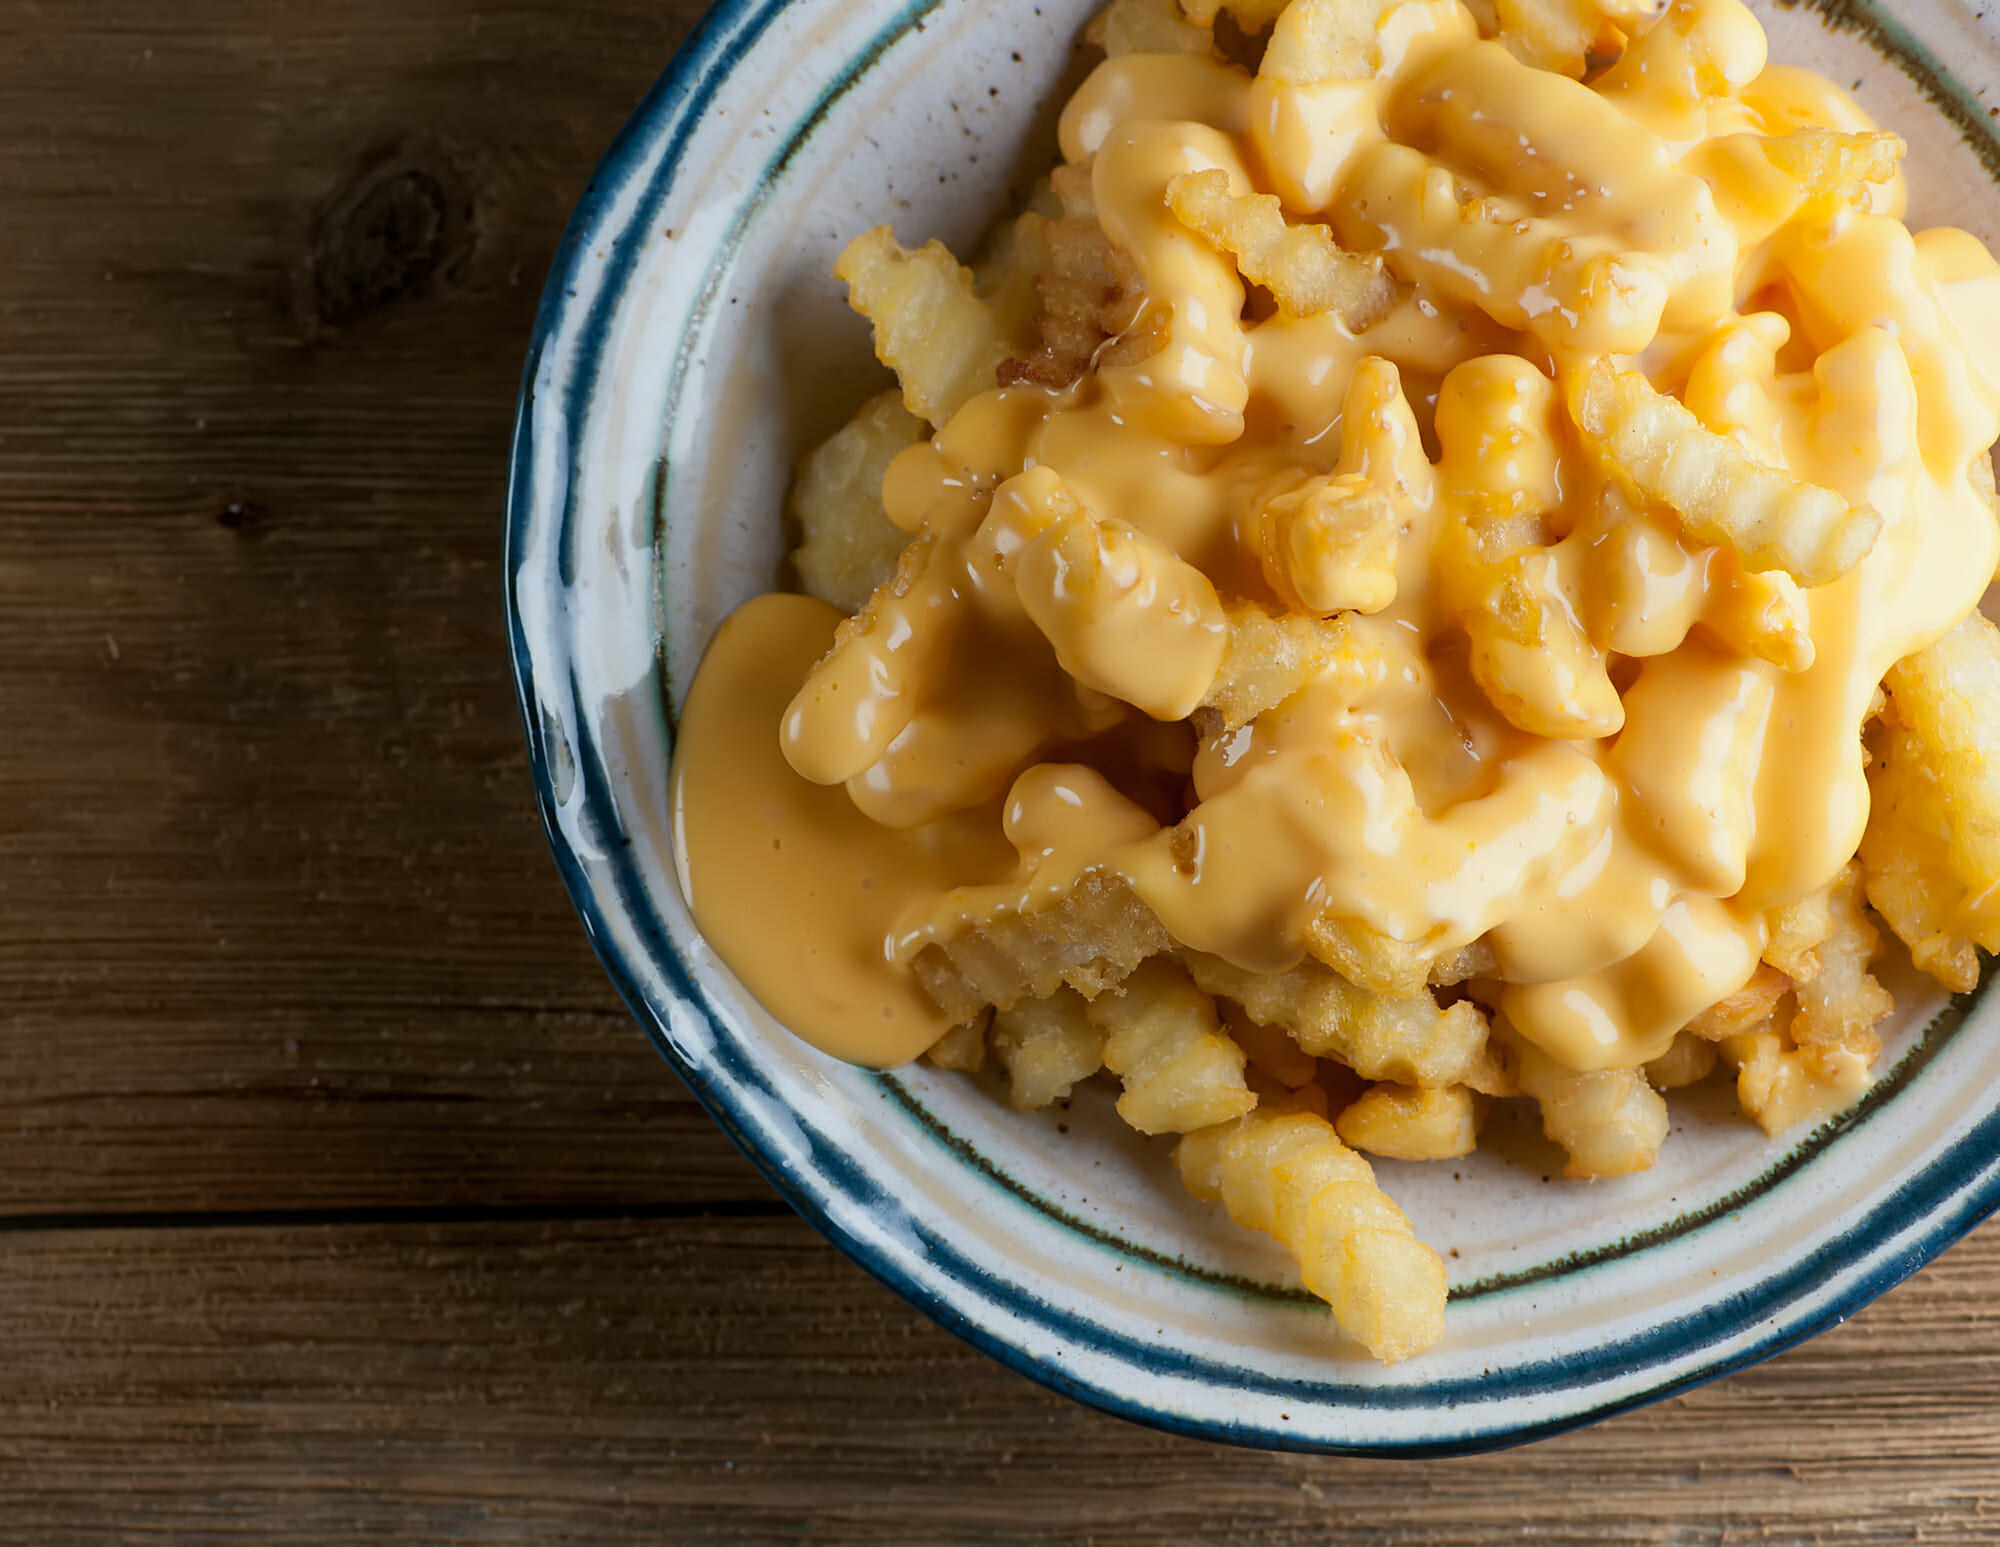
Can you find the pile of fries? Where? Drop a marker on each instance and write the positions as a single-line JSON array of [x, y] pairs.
[[1318, 262]]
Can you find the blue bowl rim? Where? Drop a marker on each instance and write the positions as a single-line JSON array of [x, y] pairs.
[[1956, 1191]]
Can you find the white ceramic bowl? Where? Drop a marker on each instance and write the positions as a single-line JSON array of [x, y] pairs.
[[690, 344]]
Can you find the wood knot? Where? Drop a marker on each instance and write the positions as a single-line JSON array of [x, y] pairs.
[[402, 229], [246, 518]]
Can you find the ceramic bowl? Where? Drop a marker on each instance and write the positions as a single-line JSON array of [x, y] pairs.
[[690, 344]]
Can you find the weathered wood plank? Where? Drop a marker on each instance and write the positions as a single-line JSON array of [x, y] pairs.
[[277, 925], [738, 1381]]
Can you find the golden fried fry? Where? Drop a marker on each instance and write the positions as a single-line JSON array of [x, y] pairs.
[[1046, 1046], [1687, 1061], [1125, 614], [1410, 1041], [931, 329], [1560, 35], [1798, 930], [1326, 40], [1840, 1004], [962, 1048], [849, 546], [1251, 15], [887, 656], [1610, 1122], [1906, 854], [1778, 1086], [1740, 1011], [1268, 659], [1090, 940], [1088, 292], [1148, 27], [1948, 695], [1370, 959], [1270, 1049], [1290, 1176], [1162, 1037], [1301, 265], [1399, 1123], [1830, 165], [1668, 457], [1495, 426]]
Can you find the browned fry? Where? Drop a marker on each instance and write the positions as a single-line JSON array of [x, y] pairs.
[[1367, 957], [1089, 292]]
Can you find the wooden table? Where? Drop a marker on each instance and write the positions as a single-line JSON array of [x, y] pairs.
[[342, 1197]]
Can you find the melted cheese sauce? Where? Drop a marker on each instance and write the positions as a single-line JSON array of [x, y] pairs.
[[1617, 800]]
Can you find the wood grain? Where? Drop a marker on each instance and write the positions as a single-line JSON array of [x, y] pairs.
[[735, 1381], [342, 1200], [277, 924]]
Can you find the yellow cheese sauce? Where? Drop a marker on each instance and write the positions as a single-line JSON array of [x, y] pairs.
[[1614, 795]]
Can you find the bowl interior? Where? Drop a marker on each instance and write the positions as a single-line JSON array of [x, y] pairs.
[[692, 346]]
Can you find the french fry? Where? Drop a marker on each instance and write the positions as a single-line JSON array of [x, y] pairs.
[[1498, 469], [1560, 35], [1315, 41], [1399, 1123], [1270, 658], [1610, 1122], [849, 546], [1046, 1046], [1162, 1037], [1778, 1086], [944, 344], [1948, 695], [1290, 1176], [1906, 853], [1090, 940], [1301, 265], [1829, 165], [1840, 1004], [1251, 15], [1272, 1053], [1687, 1061], [1409, 1041], [1739, 1012], [1668, 457], [962, 1048], [1798, 930], [1148, 27]]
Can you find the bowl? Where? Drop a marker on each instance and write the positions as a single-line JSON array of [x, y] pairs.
[[689, 345]]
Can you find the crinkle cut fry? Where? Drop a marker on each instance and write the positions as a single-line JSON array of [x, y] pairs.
[[1290, 1176], [1089, 941], [931, 329], [1164, 1039], [848, 546], [1948, 695], [1411, 1041], [1840, 1002], [1906, 854], [1301, 265], [1670, 458], [1610, 1122], [1046, 1046]]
